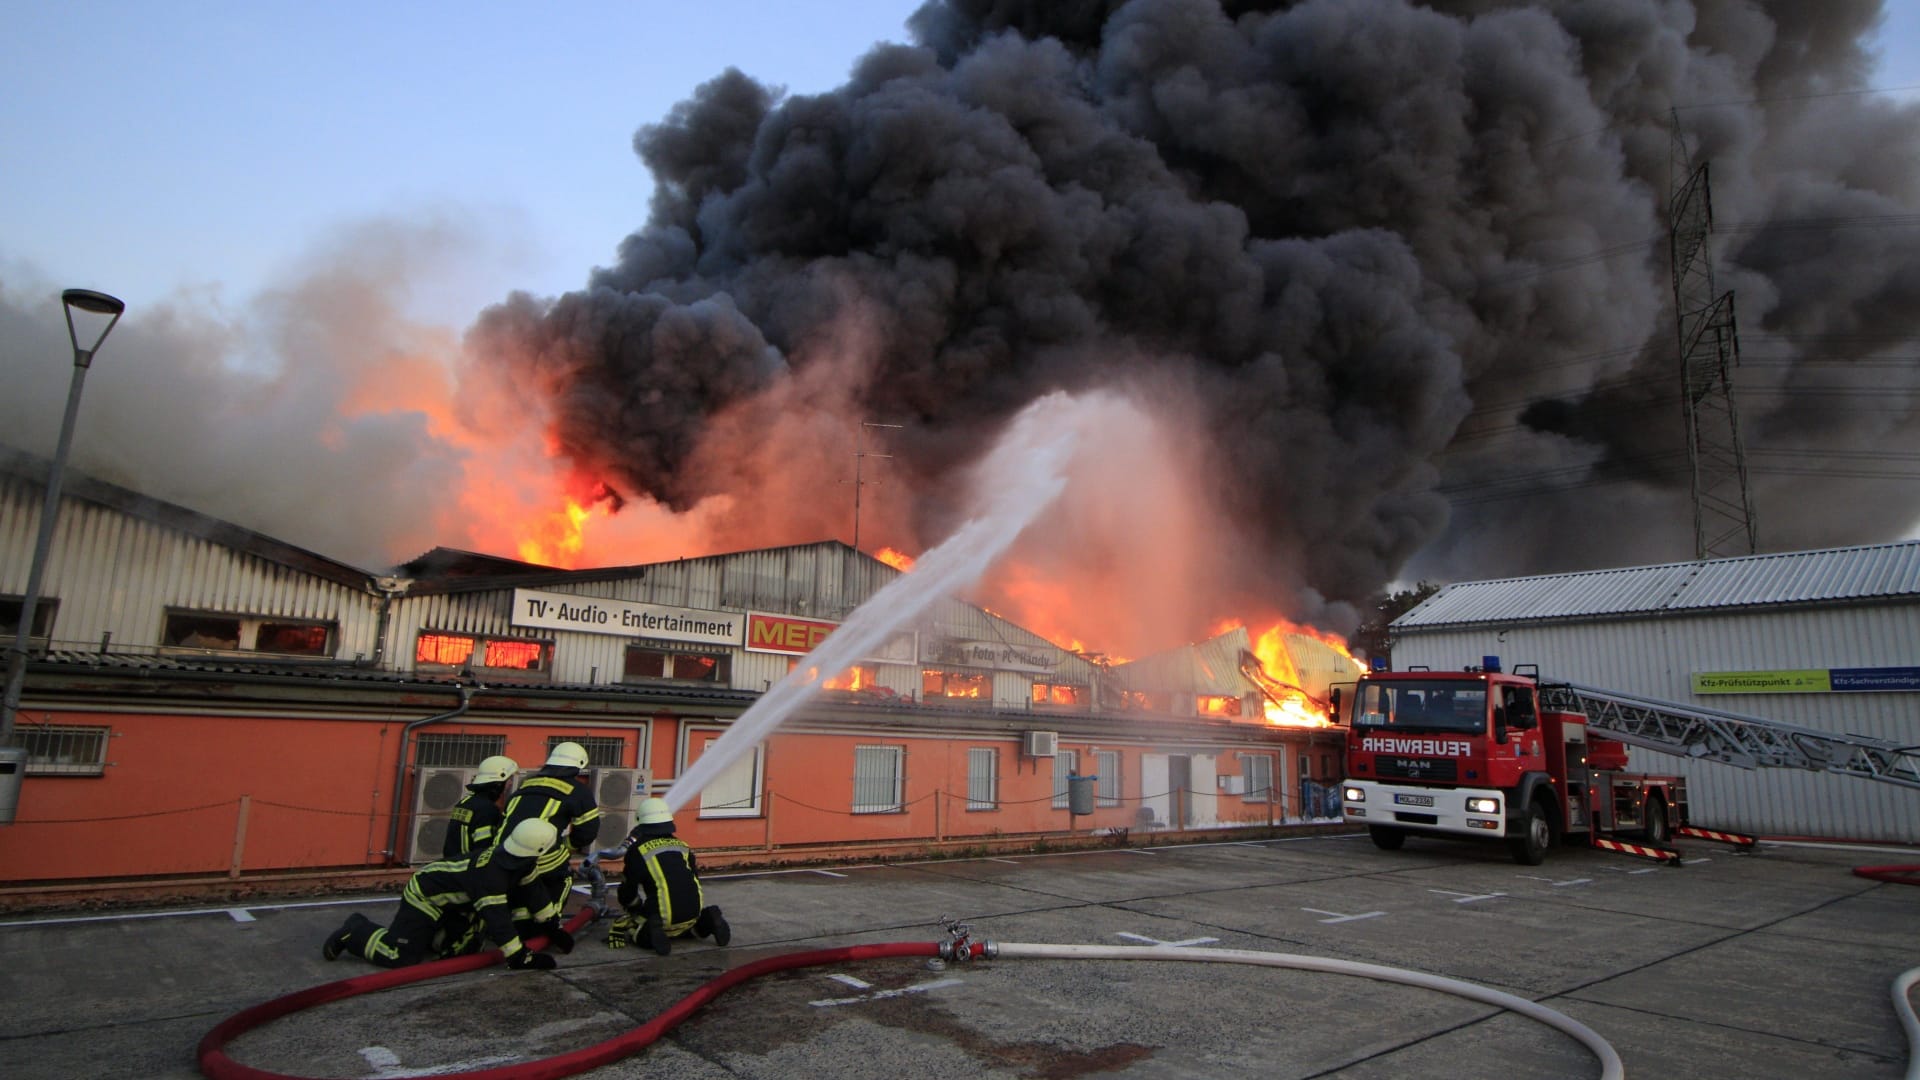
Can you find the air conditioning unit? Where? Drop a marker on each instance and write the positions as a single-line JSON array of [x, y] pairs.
[[618, 793], [1040, 743], [435, 793]]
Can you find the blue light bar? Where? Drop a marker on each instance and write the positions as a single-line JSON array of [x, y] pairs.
[[1490, 663]]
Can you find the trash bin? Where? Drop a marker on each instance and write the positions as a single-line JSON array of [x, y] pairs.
[[13, 766], [1080, 791]]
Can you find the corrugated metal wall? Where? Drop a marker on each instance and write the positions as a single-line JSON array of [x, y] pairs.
[[116, 574], [1657, 658]]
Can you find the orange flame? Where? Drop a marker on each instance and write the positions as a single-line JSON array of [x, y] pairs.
[[899, 560]]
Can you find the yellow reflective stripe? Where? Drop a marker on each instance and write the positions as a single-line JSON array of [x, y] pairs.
[[590, 815], [551, 859], [377, 946], [488, 901], [511, 947]]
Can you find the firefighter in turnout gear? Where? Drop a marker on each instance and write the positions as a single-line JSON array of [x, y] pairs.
[[473, 826], [559, 795], [660, 888], [442, 899]]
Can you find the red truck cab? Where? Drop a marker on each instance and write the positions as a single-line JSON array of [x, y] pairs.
[[1471, 753]]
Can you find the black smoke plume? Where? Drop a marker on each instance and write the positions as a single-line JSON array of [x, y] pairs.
[[1400, 269]]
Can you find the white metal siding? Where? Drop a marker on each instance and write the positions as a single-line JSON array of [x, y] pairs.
[[116, 574], [1657, 657]]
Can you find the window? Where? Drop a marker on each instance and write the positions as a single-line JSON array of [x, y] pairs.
[[1326, 768], [859, 679], [63, 749], [1107, 762], [497, 656], [1065, 763], [686, 665], [1058, 694], [1219, 705], [937, 685], [456, 751], [1257, 771], [735, 792], [983, 778], [10, 608], [603, 751], [877, 779], [216, 632]]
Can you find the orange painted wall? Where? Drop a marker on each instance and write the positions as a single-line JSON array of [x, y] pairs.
[[319, 794]]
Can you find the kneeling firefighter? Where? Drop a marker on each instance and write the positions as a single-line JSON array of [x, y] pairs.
[[474, 825], [442, 899], [558, 794], [660, 888]]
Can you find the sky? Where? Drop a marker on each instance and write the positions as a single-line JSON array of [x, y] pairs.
[[205, 151]]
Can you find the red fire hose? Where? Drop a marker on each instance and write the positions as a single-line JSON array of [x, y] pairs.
[[215, 1064]]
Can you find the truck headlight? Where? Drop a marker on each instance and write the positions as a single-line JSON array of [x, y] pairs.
[[1353, 794], [1483, 806]]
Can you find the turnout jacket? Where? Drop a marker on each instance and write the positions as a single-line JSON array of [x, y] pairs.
[[473, 826], [661, 880], [486, 886], [567, 802]]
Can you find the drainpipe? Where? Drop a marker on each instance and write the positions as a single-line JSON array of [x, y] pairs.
[[400, 767]]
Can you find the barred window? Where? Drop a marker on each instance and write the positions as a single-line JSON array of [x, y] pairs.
[[1065, 763], [877, 779], [983, 778], [603, 751], [1107, 763], [456, 751], [63, 749], [1257, 771]]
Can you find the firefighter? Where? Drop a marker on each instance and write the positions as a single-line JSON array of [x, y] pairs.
[[660, 888], [442, 897], [558, 794], [472, 827]]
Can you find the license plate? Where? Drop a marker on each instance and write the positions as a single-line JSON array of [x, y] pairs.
[[1414, 800]]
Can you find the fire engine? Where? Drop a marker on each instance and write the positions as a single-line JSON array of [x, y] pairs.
[[1485, 753]]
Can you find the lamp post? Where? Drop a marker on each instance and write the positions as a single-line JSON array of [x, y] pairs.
[[93, 303]]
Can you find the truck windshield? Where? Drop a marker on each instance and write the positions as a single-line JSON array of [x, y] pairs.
[[1421, 706]]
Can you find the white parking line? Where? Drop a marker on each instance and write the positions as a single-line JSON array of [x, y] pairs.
[[237, 914], [1467, 898], [857, 984], [1168, 944], [917, 988], [1339, 918]]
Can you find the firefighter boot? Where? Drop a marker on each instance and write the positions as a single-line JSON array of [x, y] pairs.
[[337, 943], [655, 936], [715, 924]]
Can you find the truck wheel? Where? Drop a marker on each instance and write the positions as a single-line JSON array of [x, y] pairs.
[[1659, 831], [1530, 847], [1386, 839]]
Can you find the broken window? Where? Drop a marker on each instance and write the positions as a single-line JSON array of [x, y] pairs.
[[937, 685], [1058, 694], [219, 632], [517, 658], [647, 662], [1219, 705], [10, 609]]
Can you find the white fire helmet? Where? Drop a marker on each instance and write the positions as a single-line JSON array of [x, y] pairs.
[[495, 769], [530, 838], [569, 754], [654, 812]]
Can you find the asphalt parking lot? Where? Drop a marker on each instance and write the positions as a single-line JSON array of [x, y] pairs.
[[1773, 964]]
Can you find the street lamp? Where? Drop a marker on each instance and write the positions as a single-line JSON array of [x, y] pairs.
[[95, 304]]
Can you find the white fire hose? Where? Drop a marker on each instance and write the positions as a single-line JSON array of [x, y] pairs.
[[1610, 1066]]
